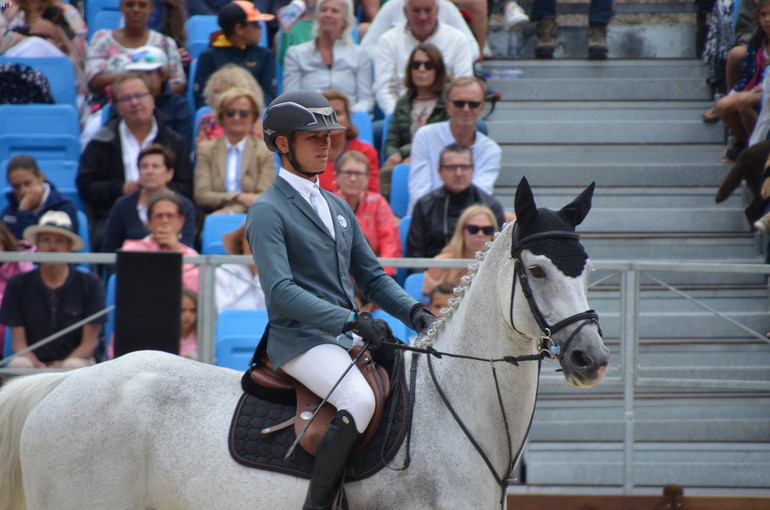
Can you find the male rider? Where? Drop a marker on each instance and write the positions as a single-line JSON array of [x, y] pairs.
[[307, 245]]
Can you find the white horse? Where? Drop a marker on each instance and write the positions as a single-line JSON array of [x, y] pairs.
[[149, 430]]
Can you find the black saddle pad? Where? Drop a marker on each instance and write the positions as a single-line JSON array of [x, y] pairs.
[[248, 446]]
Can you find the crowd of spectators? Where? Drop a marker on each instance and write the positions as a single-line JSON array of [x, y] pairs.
[[153, 164]]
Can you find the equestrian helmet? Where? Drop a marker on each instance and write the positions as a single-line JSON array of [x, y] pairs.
[[300, 110]]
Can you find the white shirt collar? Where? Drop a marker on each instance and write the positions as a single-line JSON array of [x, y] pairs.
[[240, 145], [303, 186]]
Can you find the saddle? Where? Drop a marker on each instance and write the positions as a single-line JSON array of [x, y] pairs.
[[264, 376]]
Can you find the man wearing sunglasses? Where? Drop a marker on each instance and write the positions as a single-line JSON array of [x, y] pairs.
[[465, 105], [237, 43], [435, 215]]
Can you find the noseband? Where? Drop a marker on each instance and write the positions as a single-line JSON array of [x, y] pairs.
[[548, 345]]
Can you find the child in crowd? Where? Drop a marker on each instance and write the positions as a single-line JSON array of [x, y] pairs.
[[439, 297], [188, 341], [7, 269]]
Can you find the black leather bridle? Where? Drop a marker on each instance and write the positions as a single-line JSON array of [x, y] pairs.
[[548, 345]]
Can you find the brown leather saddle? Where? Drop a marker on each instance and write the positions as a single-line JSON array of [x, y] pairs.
[[307, 401]]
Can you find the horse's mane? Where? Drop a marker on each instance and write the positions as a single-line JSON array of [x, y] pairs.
[[427, 338]]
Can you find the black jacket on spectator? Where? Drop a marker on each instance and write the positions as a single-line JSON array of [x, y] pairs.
[[435, 216], [100, 174]]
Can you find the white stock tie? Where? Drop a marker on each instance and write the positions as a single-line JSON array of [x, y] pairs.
[[322, 209]]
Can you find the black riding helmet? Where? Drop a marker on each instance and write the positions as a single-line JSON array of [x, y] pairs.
[[300, 110]]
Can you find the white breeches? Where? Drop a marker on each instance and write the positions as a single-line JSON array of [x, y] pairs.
[[321, 367]]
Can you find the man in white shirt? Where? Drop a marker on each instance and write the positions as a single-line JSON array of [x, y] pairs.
[[394, 47], [464, 104]]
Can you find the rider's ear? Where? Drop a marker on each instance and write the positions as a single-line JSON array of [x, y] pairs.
[[575, 212], [524, 203], [282, 142]]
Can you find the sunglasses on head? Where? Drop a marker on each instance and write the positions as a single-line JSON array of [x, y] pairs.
[[232, 112], [475, 229], [461, 104], [429, 65]]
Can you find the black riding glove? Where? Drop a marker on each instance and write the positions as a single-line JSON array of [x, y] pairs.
[[421, 318], [374, 331]]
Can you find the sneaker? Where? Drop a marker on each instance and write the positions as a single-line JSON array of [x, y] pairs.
[[762, 225], [597, 41], [514, 16], [547, 34]]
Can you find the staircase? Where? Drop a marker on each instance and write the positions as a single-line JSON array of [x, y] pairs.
[[634, 127]]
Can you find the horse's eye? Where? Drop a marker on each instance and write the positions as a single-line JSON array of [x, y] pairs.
[[537, 272]]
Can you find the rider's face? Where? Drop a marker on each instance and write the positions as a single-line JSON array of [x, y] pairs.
[[311, 150]]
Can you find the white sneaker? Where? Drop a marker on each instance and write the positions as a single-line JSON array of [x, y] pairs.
[[514, 16], [762, 225]]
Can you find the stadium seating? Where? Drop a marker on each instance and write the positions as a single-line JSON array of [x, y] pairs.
[[60, 72], [399, 189], [50, 146], [237, 335], [39, 119], [384, 136], [413, 287], [399, 329], [363, 122], [106, 19], [95, 8], [213, 227]]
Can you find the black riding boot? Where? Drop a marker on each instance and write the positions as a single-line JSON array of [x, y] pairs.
[[330, 462]]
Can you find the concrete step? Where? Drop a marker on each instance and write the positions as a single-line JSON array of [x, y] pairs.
[[604, 132], [571, 69], [707, 248], [695, 220], [600, 156], [744, 464], [690, 280], [637, 196], [632, 111]]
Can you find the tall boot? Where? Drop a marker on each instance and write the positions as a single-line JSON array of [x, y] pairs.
[[597, 41], [547, 34], [330, 462]]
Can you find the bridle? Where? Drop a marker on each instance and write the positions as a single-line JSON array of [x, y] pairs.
[[548, 349], [548, 345]]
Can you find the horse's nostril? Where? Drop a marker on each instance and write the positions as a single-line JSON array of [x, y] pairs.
[[581, 359]]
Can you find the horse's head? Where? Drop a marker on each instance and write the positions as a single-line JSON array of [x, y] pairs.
[[551, 284]]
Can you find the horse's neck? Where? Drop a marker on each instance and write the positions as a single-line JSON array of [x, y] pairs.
[[480, 327]]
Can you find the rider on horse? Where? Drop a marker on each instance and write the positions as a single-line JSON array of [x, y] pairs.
[[307, 244]]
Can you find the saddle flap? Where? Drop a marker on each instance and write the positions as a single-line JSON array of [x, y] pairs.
[[264, 375]]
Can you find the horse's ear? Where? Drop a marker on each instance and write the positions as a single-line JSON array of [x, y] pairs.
[[524, 203], [577, 210]]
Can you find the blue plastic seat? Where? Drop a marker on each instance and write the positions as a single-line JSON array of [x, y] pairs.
[[403, 233], [105, 19], [363, 122], [413, 287], [189, 93], [50, 146], [214, 226], [109, 299], [237, 334], [399, 329], [93, 8], [39, 119], [60, 72], [399, 189], [7, 342]]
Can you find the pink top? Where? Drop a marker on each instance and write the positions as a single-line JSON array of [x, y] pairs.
[[189, 271], [188, 345]]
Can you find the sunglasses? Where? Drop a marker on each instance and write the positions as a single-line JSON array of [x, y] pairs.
[[429, 65], [232, 112], [461, 104], [128, 99], [475, 229], [145, 56]]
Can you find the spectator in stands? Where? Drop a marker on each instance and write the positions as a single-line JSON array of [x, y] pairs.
[[374, 215], [238, 43], [599, 15], [188, 341], [391, 14], [394, 47], [32, 196], [175, 108], [435, 215], [476, 226], [105, 57], [719, 42], [423, 103], [229, 76], [108, 166], [204, 7], [52, 297], [58, 23], [235, 169], [301, 31], [128, 217], [331, 60], [9, 243], [343, 141], [464, 104], [738, 109], [238, 286], [165, 219], [439, 297]]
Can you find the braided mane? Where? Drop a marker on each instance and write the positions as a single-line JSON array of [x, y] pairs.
[[427, 338]]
